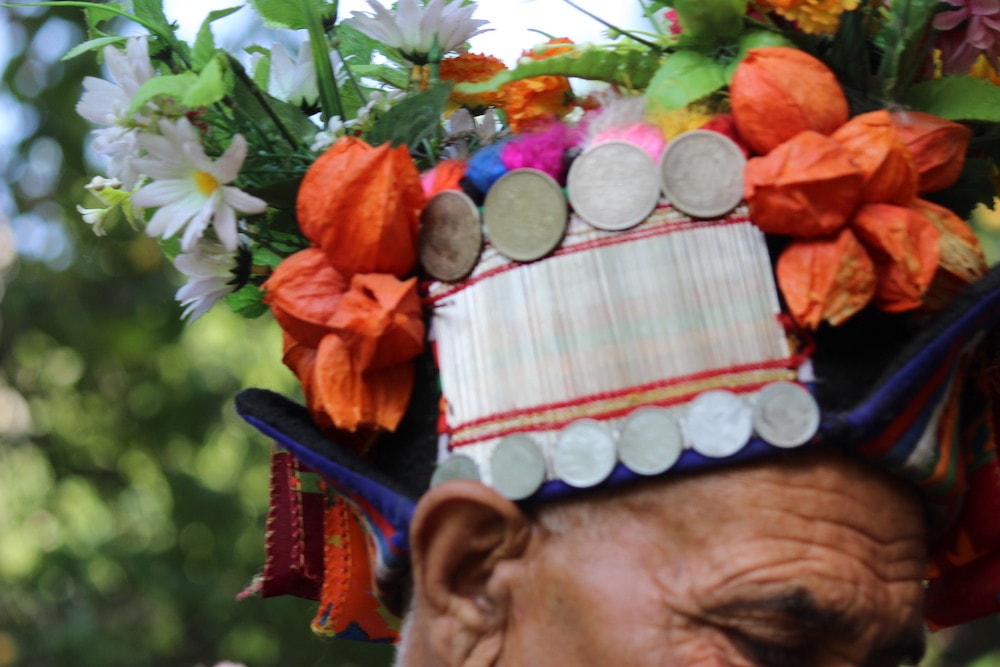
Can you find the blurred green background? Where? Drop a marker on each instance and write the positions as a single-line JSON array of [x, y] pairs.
[[132, 499]]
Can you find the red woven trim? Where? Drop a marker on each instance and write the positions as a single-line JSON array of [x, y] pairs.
[[501, 429], [640, 233]]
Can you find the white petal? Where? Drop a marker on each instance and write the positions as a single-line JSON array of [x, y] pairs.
[[243, 202], [227, 167], [163, 193], [195, 227], [224, 223]]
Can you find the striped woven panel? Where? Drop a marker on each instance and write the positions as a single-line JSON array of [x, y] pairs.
[[611, 321]]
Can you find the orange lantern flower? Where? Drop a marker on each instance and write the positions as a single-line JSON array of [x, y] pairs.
[[806, 187], [473, 68], [962, 259], [876, 148], [827, 278], [303, 293], [361, 205], [906, 250], [778, 91], [938, 147]]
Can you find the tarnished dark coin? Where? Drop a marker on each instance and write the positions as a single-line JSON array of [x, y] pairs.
[[785, 414], [456, 466], [702, 173], [525, 214], [614, 185], [451, 237]]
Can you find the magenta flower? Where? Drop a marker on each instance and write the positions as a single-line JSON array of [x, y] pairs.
[[968, 32]]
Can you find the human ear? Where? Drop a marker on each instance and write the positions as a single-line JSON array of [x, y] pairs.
[[461, 532]]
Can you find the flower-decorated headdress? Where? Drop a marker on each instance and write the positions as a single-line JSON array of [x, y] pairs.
[[758, 235]]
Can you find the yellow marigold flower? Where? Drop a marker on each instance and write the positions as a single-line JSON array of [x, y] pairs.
[[817, 17], [473, 68], [538, 100], [982, 69], [675, 122]]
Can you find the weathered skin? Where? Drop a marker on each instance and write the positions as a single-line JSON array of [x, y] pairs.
[[811, 560]]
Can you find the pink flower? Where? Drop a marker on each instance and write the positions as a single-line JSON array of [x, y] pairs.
[[968, 32]]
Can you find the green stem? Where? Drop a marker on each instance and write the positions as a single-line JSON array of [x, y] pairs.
[[262, 100], [612, 26], [329, 96]]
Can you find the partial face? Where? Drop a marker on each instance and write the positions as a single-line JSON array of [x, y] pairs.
[[811, 561]]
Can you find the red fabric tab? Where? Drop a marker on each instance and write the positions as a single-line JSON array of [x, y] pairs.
[[294, 533]]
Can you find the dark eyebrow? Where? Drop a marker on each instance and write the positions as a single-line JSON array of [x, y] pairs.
[[800, 606]]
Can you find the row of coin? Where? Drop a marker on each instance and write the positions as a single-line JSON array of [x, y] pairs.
[[613, 186], [650, 441]]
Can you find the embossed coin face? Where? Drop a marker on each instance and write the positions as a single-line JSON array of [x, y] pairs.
[[785, 414], [517, 467], [456, 466], [525, 214], [650, 441], [613, 185], [718, 423], [451, 237], [585, 454], [702, 173]]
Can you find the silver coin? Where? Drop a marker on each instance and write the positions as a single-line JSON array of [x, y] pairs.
[[517, 467], [613, 185], [650, 441], [451, 237], [785, 414], [456, 466], [525, 214], [702, 173], [718, 423], [585, 454]]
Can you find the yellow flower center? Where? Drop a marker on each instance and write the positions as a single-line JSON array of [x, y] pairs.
[[206, 182]]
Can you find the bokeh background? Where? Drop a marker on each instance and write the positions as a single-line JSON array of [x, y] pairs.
[[132, 499]]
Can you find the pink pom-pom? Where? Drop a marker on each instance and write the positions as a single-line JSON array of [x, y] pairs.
[[647, 137], [542, 150]]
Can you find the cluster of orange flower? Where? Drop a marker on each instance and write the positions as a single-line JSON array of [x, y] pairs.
[[810, 16], [847, 192]]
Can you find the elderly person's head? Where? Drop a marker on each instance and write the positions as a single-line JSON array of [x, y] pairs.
[[688, 409], [811, 559]]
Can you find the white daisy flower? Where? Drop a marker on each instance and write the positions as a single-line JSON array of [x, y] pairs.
[[414, 29], [293, 80], [190, 189], [108, 102], [209, 268]]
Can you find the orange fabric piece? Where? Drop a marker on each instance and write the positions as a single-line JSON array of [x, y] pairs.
[[778, 92], [380, 321], [348, 607], [361, 205], [904, 245], [806, 187], [876, 149], [938, 147], [826, 279]]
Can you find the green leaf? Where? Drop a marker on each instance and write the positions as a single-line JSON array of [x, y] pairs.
[[905, 44], [413, 119], [204, 44], [96, 15], [247, 301], [754, 39], [210, 86], [92, 45], [170, 85], [957, 98], [353, 42], [706, 23], [290, 13], [631, 68], [386, 74], [687, 76], [151, 11]]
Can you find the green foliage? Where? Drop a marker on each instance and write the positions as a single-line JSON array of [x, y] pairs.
[[292, 14], [957, 98], [686, 76], [413, 120]]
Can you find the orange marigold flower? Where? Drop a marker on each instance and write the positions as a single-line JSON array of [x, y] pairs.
[[816, 17], [539, 100], [473, 68]]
